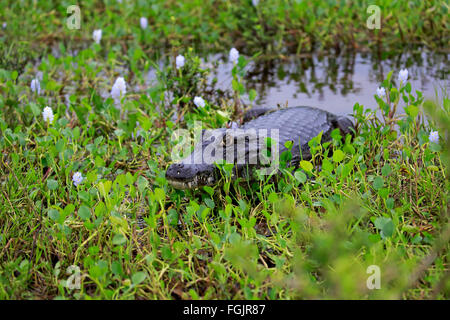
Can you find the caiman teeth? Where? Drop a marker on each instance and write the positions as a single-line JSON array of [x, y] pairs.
[[183, 185]]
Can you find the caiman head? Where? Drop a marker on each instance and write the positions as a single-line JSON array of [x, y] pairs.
[[216, 146]]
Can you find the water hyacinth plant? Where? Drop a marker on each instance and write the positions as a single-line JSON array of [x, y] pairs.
[[179, 61], [381, 92], [97, 35], [118, 90], [77, 178], [403, 76], [199, 102], [434, 137], [47, 114], [234, 55], [143, 22], [35, 86]]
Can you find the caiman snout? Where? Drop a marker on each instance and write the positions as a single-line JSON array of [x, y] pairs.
[[181, 171], [187, 176]]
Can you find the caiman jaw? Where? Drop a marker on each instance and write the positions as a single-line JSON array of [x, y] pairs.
[[182, 176], [180, 184]]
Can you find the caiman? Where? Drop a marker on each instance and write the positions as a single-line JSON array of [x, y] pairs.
[[244, 146]]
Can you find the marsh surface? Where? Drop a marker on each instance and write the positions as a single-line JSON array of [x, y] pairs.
[[337, 83]]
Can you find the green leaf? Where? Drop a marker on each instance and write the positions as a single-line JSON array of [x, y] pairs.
[[413, 111], [338, 156], [386, 170], [91, 177], [69, 209], [138, 277], [327, 165], [53, 214], [288, 144], [84, 212], [116, 268], [119, 239], [306, 165], [385, 225], [383, 192], [408, 87], [210, 203], [378, 183], [35, 109], [142, 184], [273, 197], [252, 95], [300, 176], [390, 203], [52, 184], [104, 188], [130, 178], [209, 190], [160, 194], [435, 147]]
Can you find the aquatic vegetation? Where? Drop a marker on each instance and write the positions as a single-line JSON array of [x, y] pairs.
[[97, 35], [47, 114], [35, 86], [83, 192], [143, 22], [381, 92], [199, 102], [77, 178], [180, 61], [234, 55], [434, 137], [403, 76], [118, 90]]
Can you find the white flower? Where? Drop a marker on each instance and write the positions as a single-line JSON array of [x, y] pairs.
[[97, 35], [179, 61], [381, 92], [255, 2], [199, 102], [403, 75], [234, 55], [144, 22], [35, 86], [4, 25], [77, 178], [47, 114], [119, 89], [434, 137]]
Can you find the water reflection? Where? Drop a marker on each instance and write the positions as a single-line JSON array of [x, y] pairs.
[[336, 83]]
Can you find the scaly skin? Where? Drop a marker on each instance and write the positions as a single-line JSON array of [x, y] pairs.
[[297, 124]]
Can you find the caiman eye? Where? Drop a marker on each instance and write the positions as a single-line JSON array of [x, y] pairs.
[[227, 140]]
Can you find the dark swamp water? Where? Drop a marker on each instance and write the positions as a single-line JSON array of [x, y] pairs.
[[336, 83]]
